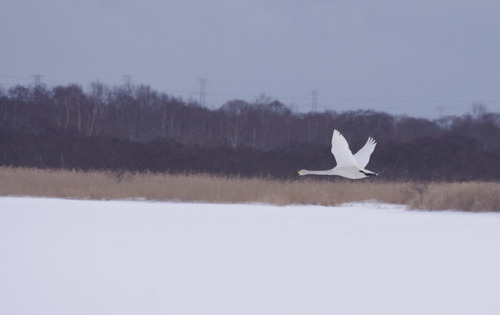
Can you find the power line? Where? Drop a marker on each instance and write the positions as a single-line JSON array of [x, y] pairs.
[[314, 94], [310, 101]]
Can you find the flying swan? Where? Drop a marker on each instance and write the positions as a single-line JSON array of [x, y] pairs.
[[348, 165]]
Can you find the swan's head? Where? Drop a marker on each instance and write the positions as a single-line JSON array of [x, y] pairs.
[[302, 172]]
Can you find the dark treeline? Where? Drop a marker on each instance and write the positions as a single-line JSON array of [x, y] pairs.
[[137, 128]]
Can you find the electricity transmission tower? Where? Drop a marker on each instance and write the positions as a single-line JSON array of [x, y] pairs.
[[127, 80], [440, 109], [314, 101], [203, 83], [38, 80]]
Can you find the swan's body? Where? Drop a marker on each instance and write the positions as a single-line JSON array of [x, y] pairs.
[[348, 165]]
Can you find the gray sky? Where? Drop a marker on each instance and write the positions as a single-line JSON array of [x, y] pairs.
[[408, 57]]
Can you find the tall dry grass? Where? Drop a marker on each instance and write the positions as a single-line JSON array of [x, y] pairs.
[[465, 196], [473, 196]]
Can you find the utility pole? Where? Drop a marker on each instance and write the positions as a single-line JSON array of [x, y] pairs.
[[314, 101], [203, 83]]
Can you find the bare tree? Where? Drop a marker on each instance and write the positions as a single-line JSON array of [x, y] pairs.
[[98, 98]]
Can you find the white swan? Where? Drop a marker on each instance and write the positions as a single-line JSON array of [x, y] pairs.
[[348, 165]]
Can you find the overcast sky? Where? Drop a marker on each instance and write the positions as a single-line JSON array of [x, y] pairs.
[[404, 57]]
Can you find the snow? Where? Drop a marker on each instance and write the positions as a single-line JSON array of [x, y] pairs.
[[136, 257]]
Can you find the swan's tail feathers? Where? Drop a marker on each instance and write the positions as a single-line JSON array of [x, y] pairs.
[[368, 173]]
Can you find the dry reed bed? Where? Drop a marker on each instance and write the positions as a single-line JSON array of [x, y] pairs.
[[469, 196]]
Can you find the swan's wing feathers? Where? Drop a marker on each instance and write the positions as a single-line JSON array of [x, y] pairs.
[[363, 155], [341, 151]]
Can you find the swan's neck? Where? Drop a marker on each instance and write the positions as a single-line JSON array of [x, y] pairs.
[[308, 172]]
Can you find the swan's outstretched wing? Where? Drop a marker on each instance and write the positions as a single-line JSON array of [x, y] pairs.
[[341, 152], [363, 155]]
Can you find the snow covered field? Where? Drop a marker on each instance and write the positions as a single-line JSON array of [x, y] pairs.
[[130, 257]]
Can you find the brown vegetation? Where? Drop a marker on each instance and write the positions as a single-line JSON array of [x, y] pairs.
[[465, 196], [469, 196]]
